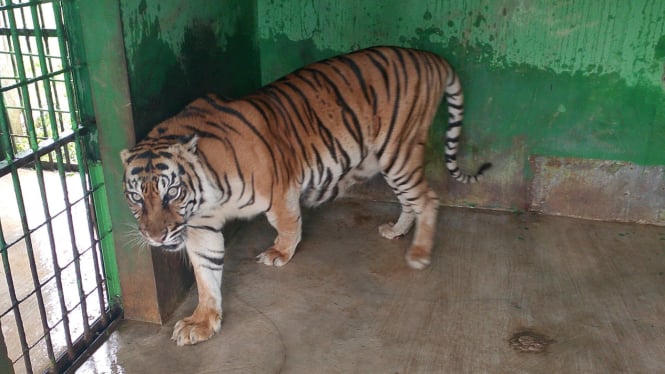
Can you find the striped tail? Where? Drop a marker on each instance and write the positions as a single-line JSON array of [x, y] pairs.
[[455, 99]]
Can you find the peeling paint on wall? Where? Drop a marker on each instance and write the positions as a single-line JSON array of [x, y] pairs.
[[586, 37]]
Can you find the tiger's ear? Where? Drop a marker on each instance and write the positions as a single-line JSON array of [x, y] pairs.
[[190, 143], [124, 155]]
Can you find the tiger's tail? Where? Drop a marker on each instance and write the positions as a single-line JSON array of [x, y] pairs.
[[455, 99]]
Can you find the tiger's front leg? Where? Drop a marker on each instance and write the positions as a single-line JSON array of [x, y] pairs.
[[284, 216], [205, 249]]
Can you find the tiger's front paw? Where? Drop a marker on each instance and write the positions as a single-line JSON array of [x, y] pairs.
[[197, 328], [273, 257]]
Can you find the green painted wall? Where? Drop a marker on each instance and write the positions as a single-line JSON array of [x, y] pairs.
[[580, 79], [556, 78], [179, 50], [562, 78], [565, 78]]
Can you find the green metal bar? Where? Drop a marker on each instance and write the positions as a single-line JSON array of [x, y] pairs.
[[63, 183], [14, 70], [17, 188], [25, 32], [26, 137], [54, 81], [76, 99], [23, 81], [18, 318], [6, 141], [25, 93], [77, 265], [7, 155], [38, 93], [11, 6], [28, 54], [93, 226], [32, 81], [15, 303], [105, 227], [26, 158], [75, 57], [38, 109], [83, 172]]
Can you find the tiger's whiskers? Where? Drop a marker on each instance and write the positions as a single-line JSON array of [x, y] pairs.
[[134, 237]]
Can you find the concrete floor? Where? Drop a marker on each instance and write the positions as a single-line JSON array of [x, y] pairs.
[[590, 296]]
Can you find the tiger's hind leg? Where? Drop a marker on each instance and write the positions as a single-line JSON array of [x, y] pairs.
[[419, 254], [420, 204], [284, 216]]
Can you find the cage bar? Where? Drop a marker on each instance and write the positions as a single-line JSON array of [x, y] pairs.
[[30, 127], [57, 123]]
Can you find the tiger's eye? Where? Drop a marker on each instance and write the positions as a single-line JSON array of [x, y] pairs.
[[172, 192], [135, 197]]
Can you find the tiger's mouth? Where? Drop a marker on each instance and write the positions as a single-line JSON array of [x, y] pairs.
[[172, 245]]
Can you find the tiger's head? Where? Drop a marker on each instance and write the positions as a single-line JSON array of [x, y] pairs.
[[160, 188]]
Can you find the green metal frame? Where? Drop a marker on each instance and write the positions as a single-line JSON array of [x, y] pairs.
[[87, 116], [56, 142]]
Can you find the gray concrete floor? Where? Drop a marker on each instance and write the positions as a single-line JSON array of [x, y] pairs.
[[590, 294]]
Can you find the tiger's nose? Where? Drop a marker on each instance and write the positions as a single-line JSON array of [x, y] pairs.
[[155, 237]]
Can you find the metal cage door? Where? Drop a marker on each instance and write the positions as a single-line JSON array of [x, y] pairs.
[[58, 283]]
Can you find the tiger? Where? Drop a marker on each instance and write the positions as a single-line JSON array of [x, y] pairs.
[[299, 141]]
